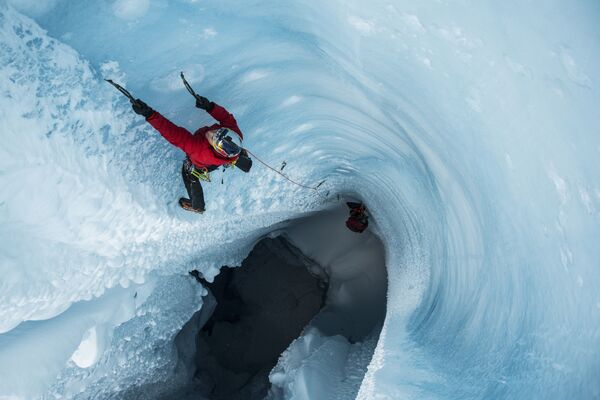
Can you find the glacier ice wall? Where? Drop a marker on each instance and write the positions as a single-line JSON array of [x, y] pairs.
[[470, 128]]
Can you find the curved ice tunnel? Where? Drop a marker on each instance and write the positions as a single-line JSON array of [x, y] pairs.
[[487, 186]]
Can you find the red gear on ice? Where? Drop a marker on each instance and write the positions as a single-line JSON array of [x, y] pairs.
[[196, 146], [358, 220]]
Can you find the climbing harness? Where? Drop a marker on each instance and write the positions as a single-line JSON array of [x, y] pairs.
[[202, 173]]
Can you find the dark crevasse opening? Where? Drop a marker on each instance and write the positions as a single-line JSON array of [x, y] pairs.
[[312, 276], [261, 307]]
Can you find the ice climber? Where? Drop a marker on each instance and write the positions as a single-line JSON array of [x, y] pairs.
[[358, 220], [207, 149]]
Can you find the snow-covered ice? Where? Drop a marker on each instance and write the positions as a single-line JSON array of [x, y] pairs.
[[470, 129]]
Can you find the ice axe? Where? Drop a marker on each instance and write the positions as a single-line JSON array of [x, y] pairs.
[[188, 86], [122, 90]]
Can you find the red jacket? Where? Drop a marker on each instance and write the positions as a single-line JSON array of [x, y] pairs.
[[196, 146]]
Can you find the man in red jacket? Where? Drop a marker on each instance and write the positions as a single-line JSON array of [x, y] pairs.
[[206, 149]]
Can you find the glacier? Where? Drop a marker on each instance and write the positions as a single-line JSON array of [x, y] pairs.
[[470, 129]]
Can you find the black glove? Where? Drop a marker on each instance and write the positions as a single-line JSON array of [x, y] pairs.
[[204, 103], [141, 108]]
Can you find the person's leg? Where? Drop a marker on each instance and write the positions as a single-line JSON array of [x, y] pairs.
[[186, 180], [196, 194], [193, 188]]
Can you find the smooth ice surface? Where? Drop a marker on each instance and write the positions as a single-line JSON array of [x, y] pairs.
[[471, 128], [354, 266]]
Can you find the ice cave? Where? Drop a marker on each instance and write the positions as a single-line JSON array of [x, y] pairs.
[[469, 129]]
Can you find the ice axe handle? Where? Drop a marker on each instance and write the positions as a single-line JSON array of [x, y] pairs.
[[122, 90], [188, 86]]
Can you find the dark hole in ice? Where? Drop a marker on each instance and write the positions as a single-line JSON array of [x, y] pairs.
[[261, 308]]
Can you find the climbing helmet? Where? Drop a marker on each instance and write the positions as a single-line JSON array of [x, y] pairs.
[[226, 142]]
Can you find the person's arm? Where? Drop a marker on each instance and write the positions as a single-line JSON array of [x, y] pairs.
[[174, 134], [219, 113], [225, 118]]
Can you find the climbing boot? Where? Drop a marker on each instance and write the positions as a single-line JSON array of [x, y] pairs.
[[186, 204]]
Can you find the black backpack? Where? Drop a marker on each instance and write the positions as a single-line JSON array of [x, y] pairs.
[[244, 162]]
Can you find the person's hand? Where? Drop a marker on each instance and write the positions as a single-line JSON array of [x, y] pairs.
[[204, 103], [141, 108]]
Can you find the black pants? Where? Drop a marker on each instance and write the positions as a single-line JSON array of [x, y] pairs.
[[193, 187]]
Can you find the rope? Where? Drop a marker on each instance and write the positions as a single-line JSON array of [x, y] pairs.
[[315, 188]]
